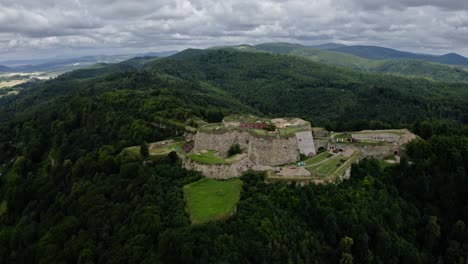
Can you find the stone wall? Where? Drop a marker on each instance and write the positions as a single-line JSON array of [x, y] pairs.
[[305, 141], [219, 171], [320, 143], [273, 151], [221, 142]]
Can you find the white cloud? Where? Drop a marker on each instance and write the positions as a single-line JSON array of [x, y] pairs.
[[52, 27]]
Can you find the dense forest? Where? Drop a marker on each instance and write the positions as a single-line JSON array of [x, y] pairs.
[[328, 96], [68, 195], [448, 68]]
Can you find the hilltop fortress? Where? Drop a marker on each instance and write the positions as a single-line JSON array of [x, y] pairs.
[[262, 143], [285, 147], [281, 144]]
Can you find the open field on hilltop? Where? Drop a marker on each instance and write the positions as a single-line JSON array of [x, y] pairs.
[[215, 128], [260, 132], [288, 131], [387, 131], [164, 150], [210, 157], [245, 119], [208, 199]]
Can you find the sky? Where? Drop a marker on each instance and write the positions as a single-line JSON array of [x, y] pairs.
[[33, 29]]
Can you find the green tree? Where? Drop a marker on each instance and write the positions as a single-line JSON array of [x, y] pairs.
[[214, 115], [144, 152], [431, 232], [345, 247], [234, 149]]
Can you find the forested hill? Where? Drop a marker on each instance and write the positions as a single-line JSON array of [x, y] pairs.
[[373, 52], [68, 194], [286, 85], [439, 69]]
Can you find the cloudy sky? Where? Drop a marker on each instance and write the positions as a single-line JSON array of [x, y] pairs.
[[49, 28]]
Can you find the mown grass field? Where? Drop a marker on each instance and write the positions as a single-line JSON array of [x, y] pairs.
[[326, 168], [208, 157], [318, 158], [208, 200]]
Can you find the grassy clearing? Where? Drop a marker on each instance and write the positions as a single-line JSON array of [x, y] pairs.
[[208, 199], [134, 151], [328, 167], [234, 158], [176, 146], [390, 131], [288, 131], [391, 157], [318, 158], [245, 119], [385, 164], [260, 132], [348, 163], [208, 157], [215, 128]]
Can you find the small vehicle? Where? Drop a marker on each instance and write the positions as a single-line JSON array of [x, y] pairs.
[[292, 167]]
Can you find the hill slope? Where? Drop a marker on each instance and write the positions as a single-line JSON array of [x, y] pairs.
[[287, 85], [378, 53], [380, 62], [69, 195], [4, 68]]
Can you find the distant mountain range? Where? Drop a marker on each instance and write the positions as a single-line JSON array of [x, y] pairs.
[[71, 63], [448, 68], [4, 68], [381, 53]]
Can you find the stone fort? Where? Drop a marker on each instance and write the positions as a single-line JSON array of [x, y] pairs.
[[268, 143]]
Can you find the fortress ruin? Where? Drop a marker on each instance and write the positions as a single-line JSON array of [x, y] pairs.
[[286, 148]]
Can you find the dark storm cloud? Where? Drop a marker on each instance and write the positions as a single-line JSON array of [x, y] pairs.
[[50, 27]]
